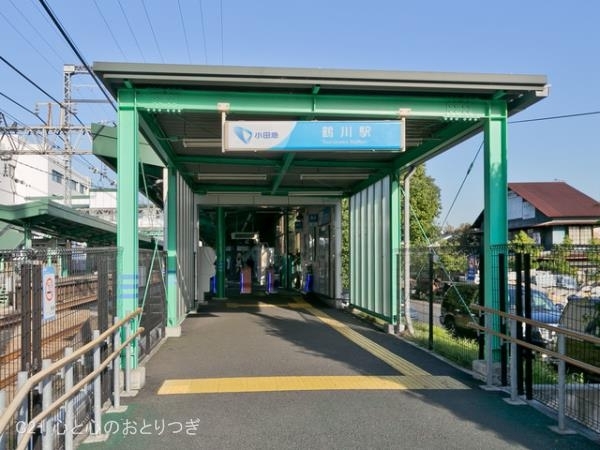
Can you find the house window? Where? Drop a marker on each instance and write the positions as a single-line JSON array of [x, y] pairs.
[[580, 235], [57, 177], [73, 185], [81, 189]]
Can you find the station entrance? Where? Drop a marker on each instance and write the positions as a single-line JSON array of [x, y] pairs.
[[187, 134]]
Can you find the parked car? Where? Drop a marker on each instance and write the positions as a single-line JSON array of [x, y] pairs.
[[582, 314], [456, 313]]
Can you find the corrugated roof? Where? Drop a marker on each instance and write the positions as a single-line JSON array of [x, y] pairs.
[[557, 199]]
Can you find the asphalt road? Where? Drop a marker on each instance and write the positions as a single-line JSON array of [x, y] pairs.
[[242, 344]]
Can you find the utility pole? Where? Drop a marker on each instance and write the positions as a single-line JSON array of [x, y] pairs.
[[64, 130]]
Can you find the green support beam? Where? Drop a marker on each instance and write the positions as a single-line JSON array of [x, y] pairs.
[[347, 106], [495, 221], [221, 256]]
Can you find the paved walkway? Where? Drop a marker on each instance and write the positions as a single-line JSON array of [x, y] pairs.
[[275, 372]]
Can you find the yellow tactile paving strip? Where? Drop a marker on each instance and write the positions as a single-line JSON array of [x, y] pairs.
[[413, 377], [400, 364], [305, 383]]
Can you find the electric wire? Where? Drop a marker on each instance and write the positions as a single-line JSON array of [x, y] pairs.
[[36, 28], [137, 43], [461, 185], [33, 113], [115, 40], [76, 51], [185, 36], [202, 29], [32, 147], [44, 57], [152, 30], [221, 14], [562, 116]]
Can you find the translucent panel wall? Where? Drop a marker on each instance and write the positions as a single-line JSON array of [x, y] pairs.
[[370, 250]]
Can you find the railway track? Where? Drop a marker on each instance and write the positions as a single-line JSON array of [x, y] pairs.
[[14, 318]]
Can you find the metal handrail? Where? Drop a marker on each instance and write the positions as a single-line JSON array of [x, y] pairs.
[[24, 390], [563, 331]]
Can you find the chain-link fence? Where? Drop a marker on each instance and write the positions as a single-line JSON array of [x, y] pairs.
[[559, 292], [51, 302]]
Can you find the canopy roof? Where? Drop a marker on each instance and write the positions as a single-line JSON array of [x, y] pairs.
[[181, 105], [54, 219]]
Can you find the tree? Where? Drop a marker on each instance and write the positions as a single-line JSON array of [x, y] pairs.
[[523, 243], [425, 205], [456, 248]]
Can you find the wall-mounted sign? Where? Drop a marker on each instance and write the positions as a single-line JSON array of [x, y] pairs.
[[312, 136], [48, 293]]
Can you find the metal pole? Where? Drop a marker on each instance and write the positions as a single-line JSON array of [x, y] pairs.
[[514, 382], [117, 369], [562, 398], [97, 426], [69, 414], [2, 408], [430, 259], [23, 414], [127, 359], [48, 423]]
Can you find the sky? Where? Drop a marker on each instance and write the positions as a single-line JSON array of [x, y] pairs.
[[555, 139]]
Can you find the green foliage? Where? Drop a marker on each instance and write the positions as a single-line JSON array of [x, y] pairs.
[[461, 351], [425, 207], [558, 261], [456, 249], [523, 243]]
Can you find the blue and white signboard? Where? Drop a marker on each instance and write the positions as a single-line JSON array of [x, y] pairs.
[[312, 136], [48, 293]]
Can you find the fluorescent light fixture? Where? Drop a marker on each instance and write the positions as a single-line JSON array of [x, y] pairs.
[[334, 176], [314, 193], [202, 143], [233, 176]]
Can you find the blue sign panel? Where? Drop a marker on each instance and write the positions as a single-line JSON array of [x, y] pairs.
[[313, 135]]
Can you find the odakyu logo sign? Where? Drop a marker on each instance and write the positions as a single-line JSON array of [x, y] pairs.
[[312, 135], [244, 134]]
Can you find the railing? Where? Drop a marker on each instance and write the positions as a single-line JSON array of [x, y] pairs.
[[17, 412], [559, 355]]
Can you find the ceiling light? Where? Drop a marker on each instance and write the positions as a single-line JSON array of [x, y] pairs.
[[314, 193], [202, 143], [233, 176], [334, 176]]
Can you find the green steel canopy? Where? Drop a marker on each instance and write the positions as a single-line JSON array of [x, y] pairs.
[[181, 107], [54, 219]]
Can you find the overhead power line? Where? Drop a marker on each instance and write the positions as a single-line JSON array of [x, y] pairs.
[[10, 99], [152, 30], [137, 43], [563, 116], [76, 51]]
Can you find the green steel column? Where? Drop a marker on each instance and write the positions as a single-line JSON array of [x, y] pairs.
[[221, 231], [395, 241], [127, 203], [495, 222], [286, 251], [171, 246], [27, 236], [127, 209]]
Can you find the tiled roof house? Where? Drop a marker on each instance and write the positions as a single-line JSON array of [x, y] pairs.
[[549, 211]]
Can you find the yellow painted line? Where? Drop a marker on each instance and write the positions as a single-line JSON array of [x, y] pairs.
[[305, 383], [400, 364], [256, 305]]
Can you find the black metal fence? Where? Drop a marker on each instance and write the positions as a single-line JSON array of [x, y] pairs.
[[52, 300], [559, 292]]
